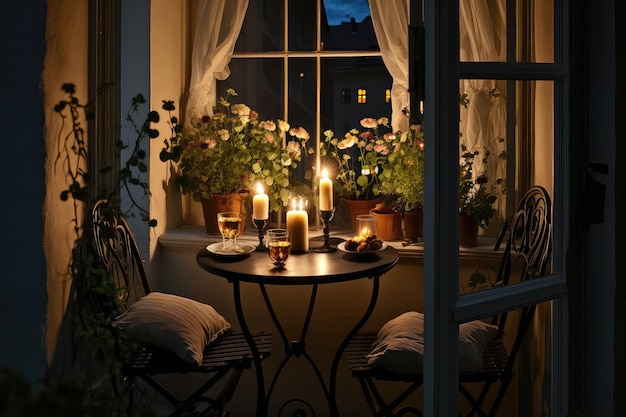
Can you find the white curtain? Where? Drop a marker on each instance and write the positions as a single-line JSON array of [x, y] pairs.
[[218, 25], [483, 121], [391, 24]]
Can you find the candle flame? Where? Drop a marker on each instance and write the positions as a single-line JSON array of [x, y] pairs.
[[325, 173], [259, 188]]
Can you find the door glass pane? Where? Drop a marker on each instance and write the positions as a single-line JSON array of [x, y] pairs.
[[484, 26], [506, 146], [529, 391], [535, 31], [263, 27]]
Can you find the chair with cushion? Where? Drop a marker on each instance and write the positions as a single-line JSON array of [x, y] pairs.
[[395, 352], [161, 333]]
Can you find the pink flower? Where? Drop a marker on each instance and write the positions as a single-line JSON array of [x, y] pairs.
[[381, 149], [369, 123]]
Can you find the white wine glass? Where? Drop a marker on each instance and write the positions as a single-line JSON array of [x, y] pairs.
[[230, 224], [279, 246]]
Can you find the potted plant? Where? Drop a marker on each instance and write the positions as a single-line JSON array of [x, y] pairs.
[[358, 159], [402, 178], [476, 196], [220, 156]]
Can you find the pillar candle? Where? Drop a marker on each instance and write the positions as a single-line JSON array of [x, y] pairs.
[[260, 204], [326, 192], [298, 227]]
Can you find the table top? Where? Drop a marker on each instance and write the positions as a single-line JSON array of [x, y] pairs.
[[300, 269]]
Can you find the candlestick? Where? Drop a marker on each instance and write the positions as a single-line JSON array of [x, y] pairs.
[[326, 192], [260, 204], [260, 225], [326, 216], [298, 227]]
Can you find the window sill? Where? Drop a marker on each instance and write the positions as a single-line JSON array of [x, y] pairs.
[[194, 236]]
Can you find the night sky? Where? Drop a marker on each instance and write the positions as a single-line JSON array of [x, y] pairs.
[[339, 11]]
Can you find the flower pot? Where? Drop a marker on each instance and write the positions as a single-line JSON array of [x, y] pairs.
[[218, 203], [358, 207], [389, 225], [413, 225], [468, 231]]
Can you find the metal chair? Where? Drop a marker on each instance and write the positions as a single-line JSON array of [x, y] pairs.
[[526, 255], [228, 355]]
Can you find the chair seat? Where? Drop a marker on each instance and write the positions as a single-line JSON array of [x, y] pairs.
[[494, 360], [229, 351]]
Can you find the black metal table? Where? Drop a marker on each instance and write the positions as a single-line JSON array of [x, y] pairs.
[[303, 269]]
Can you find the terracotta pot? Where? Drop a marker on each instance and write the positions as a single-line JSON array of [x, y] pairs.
[[468, 231], [413, 225], [217, 204], [389, 225], [358, 207]]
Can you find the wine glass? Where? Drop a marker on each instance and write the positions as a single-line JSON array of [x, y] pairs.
[[279, 246], [230, 224]]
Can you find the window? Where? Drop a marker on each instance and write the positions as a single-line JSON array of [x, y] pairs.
[[304, 64], [361, 96], [345, 96]]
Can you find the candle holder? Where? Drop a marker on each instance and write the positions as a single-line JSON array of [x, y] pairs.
[[260, 225], [326, 216]]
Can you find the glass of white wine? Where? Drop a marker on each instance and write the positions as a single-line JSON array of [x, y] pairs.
[[230, 224], [279, 246]]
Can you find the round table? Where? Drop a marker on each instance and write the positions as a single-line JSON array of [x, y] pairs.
[[312, 269]]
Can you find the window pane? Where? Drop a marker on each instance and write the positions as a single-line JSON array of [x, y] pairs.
[[259, 84], [302, 25], [302, 108], [263, 27], [348, 26], [341, 80]]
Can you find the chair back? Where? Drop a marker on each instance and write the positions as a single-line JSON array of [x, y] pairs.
[[118, 251], [526, 254]]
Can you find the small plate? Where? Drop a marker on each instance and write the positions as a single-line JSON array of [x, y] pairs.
[[342, 247], [216, 250]]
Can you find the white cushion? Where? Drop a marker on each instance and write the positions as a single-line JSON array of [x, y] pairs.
[[173, 323], [399, 345]]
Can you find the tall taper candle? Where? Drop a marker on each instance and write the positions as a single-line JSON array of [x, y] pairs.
[[260, 204], [298, 227], [326, 192]]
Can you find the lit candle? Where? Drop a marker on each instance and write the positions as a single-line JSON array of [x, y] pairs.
[[260, 204], [298, 227], [326, 192]]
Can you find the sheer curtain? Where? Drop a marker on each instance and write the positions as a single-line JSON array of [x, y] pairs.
[[391, 24], [483, 120], [217, 28]]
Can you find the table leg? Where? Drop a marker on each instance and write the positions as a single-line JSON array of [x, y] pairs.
[[261, 403], [334, 411]]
